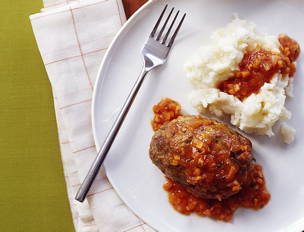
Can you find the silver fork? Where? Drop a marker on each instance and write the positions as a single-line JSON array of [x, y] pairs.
[[155, 53]]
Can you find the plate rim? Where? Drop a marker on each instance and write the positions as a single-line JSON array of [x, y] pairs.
[[128, 23]]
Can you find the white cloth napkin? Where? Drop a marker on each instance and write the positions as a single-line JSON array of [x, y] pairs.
[[72, 36]]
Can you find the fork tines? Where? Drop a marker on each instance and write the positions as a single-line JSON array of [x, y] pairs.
[[158, 36]]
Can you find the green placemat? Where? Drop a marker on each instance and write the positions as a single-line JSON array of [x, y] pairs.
[[33, 194]]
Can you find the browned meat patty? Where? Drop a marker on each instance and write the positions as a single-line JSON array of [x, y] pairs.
[[210, 160]]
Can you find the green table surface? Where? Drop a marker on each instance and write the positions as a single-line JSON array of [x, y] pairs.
[[33, 194]]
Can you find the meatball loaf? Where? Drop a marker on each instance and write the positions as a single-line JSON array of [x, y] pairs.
[[205, 156]]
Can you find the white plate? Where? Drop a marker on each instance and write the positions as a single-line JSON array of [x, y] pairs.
[[135, 178]]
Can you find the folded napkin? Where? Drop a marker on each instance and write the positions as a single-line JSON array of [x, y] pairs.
[[72, 36]]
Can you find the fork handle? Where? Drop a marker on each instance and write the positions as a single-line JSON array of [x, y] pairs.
[[102, 153]]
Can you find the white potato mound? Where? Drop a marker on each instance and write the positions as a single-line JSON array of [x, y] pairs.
[[287, 133], [216, 62]]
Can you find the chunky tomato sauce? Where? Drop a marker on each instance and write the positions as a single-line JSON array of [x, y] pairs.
[[259, 66], [253, 196], [165, 111], [250, 194]]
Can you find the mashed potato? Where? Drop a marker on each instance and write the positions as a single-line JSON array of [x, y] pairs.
[[217, 62], [287, 133]]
